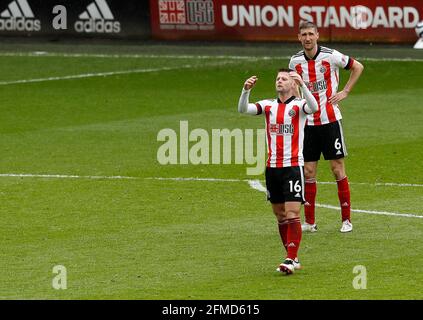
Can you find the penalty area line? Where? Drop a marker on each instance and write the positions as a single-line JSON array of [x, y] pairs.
[[73, 176], [114, 73], [256, 184], [64, 176]]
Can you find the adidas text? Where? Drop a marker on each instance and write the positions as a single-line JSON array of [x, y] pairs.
[[100, 26], [20, 24]]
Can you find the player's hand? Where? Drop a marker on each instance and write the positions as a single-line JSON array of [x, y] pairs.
[[341, 95], [296, 77], [250, 82]]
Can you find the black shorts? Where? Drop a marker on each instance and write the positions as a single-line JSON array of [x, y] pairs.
[[327, 139], [285, 184]]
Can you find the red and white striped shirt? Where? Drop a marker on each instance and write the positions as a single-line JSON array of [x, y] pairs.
[[285, 123], [321, 75]]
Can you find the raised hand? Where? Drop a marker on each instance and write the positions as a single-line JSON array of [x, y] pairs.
[[250, 82], [296, 77]]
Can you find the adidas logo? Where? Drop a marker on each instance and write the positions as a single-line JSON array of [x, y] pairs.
[[292, 244], [345, 204], [338, 152], [97, 18], [297, 195], [19, 17]]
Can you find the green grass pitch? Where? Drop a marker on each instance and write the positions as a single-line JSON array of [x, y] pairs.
[[144, 238]]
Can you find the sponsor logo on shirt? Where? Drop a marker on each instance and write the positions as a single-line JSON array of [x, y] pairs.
[[317, 86], [282, 129]]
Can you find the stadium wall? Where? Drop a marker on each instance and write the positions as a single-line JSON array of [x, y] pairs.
[[129, 19], [275, 20], [234, 20]]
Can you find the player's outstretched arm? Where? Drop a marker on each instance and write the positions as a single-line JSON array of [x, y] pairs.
[[311, 106], [356, 70], [243, 105]]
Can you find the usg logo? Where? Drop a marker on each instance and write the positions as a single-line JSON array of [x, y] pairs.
[[19, 17], [97, 18]]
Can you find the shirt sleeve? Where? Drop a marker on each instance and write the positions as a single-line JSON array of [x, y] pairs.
[[244, 106], [260, 105], [342, 60], [291, 65], [310, 104]]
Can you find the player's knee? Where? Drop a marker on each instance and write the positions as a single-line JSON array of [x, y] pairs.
[[310, 172], [279, 213], [281, 217], [338, 170], [292, 213]]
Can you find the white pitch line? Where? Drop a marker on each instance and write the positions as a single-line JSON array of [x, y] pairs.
[[388, 184], [390, 59], [72, 176], [256, 184], [30, 175], [197, 179], [110, 73], [385, 213], [385, 184], [135, 56], [64, 176], [391, 184], [174, 56]]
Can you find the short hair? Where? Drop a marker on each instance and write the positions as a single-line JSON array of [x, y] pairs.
[[304, 24], [284, 70]]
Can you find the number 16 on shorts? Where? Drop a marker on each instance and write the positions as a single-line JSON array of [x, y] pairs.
[[294, 187], [296, 190]]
